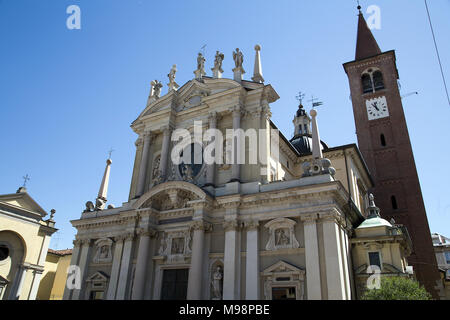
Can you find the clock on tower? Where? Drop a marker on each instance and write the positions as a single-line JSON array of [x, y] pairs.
[[384, 142]]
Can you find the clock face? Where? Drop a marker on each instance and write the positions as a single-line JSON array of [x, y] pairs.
[[377, 108]]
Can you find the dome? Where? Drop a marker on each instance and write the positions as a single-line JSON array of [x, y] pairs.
[[301, 112], [303, 143]]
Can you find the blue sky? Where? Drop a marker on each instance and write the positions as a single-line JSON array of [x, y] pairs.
[[68, 96]]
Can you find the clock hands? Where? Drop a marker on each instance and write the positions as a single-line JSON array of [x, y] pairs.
[[374, 104]]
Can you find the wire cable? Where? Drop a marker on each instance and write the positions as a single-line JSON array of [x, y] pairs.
[[437, 52]]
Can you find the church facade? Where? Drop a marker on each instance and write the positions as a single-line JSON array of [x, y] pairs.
[[297, 223]]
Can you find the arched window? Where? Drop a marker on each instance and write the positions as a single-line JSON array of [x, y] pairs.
[[366, 83], [383, 140], [378, 83], [394, 203]]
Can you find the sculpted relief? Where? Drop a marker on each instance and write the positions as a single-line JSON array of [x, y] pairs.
[[281, 234], [103, 252], [175, 245]]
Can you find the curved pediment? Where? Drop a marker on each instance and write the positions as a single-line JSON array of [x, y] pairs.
[[170, 195]]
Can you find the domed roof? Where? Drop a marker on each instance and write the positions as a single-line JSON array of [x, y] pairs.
[[303, 143], [301, 111]]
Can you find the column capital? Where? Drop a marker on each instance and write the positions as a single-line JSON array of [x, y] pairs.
[[166, 129], [309, 218], [330, 216], [77, 242], [251, 224], [129, 236], [236, 110], [147, 136], [231, 225], [201, 225], [85, 241], [138, 142], [146, 232]]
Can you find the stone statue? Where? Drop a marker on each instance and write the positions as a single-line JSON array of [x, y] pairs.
[[217, 284], [157, 88], [188, 174], [238, 58], [201, 63], [218, 61], [155, 172], [172, 84]]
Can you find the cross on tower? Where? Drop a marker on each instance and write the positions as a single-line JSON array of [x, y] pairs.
[[25, 179], [300, 97], [110, 152]]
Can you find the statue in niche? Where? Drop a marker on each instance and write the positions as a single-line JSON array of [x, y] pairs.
[[281, 238], [218, 61], [188, 174], [156, 165], [217, 284], [164, 245], [238, 58], [104, 252], [177, 246]]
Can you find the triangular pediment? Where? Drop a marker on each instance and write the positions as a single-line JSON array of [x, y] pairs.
[[99, 276], [23, 201], [283, 267]]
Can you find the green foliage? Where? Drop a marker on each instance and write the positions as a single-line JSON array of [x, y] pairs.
[[397, 288]]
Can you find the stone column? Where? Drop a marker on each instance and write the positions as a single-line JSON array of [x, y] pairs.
[[264, 140], [211, 169], [141, 264], [37, 274], [144, 164], [252, 263], [313, 285], [84, 255], [115, 269], [73, 261], [231, 272], [237, 139], [333, 256], [165, 151], [125, 267], [194, 291], [345, 259], [18, 283]]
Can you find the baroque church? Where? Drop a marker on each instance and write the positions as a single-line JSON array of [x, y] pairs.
[[299, 223]]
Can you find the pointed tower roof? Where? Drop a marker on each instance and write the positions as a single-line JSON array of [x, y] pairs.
[[366, 45]]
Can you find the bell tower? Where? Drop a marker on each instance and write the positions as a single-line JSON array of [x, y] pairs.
[[385, 144]]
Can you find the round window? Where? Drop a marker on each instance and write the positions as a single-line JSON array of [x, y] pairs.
[[196, 160], [4, 253]]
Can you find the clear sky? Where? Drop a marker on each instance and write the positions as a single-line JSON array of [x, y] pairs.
[[68, 96]]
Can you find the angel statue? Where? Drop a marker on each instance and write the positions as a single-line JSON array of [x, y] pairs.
[[218, 61], [238, 58]]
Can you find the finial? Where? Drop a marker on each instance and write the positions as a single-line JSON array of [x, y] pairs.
[[257, 70], [300, 98], [52, 213], [359, 6], [373, 210]]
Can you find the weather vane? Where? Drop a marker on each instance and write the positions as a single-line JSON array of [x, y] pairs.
[[110, 152], [300, 97], [315, 102], [25, 179]]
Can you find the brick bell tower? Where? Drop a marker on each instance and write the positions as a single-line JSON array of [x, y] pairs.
[[384, 142]]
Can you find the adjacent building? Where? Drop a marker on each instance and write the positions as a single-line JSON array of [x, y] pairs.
[[24, 240]]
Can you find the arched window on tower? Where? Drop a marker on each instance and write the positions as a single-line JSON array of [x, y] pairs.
[[367, 83], [383, 140], [378, 80], [394, 203]]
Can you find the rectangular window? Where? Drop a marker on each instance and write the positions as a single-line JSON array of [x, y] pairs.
[[374, 259], [447, 257]]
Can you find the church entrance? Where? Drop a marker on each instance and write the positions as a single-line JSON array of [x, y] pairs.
[[283, 293], [174, 284]]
